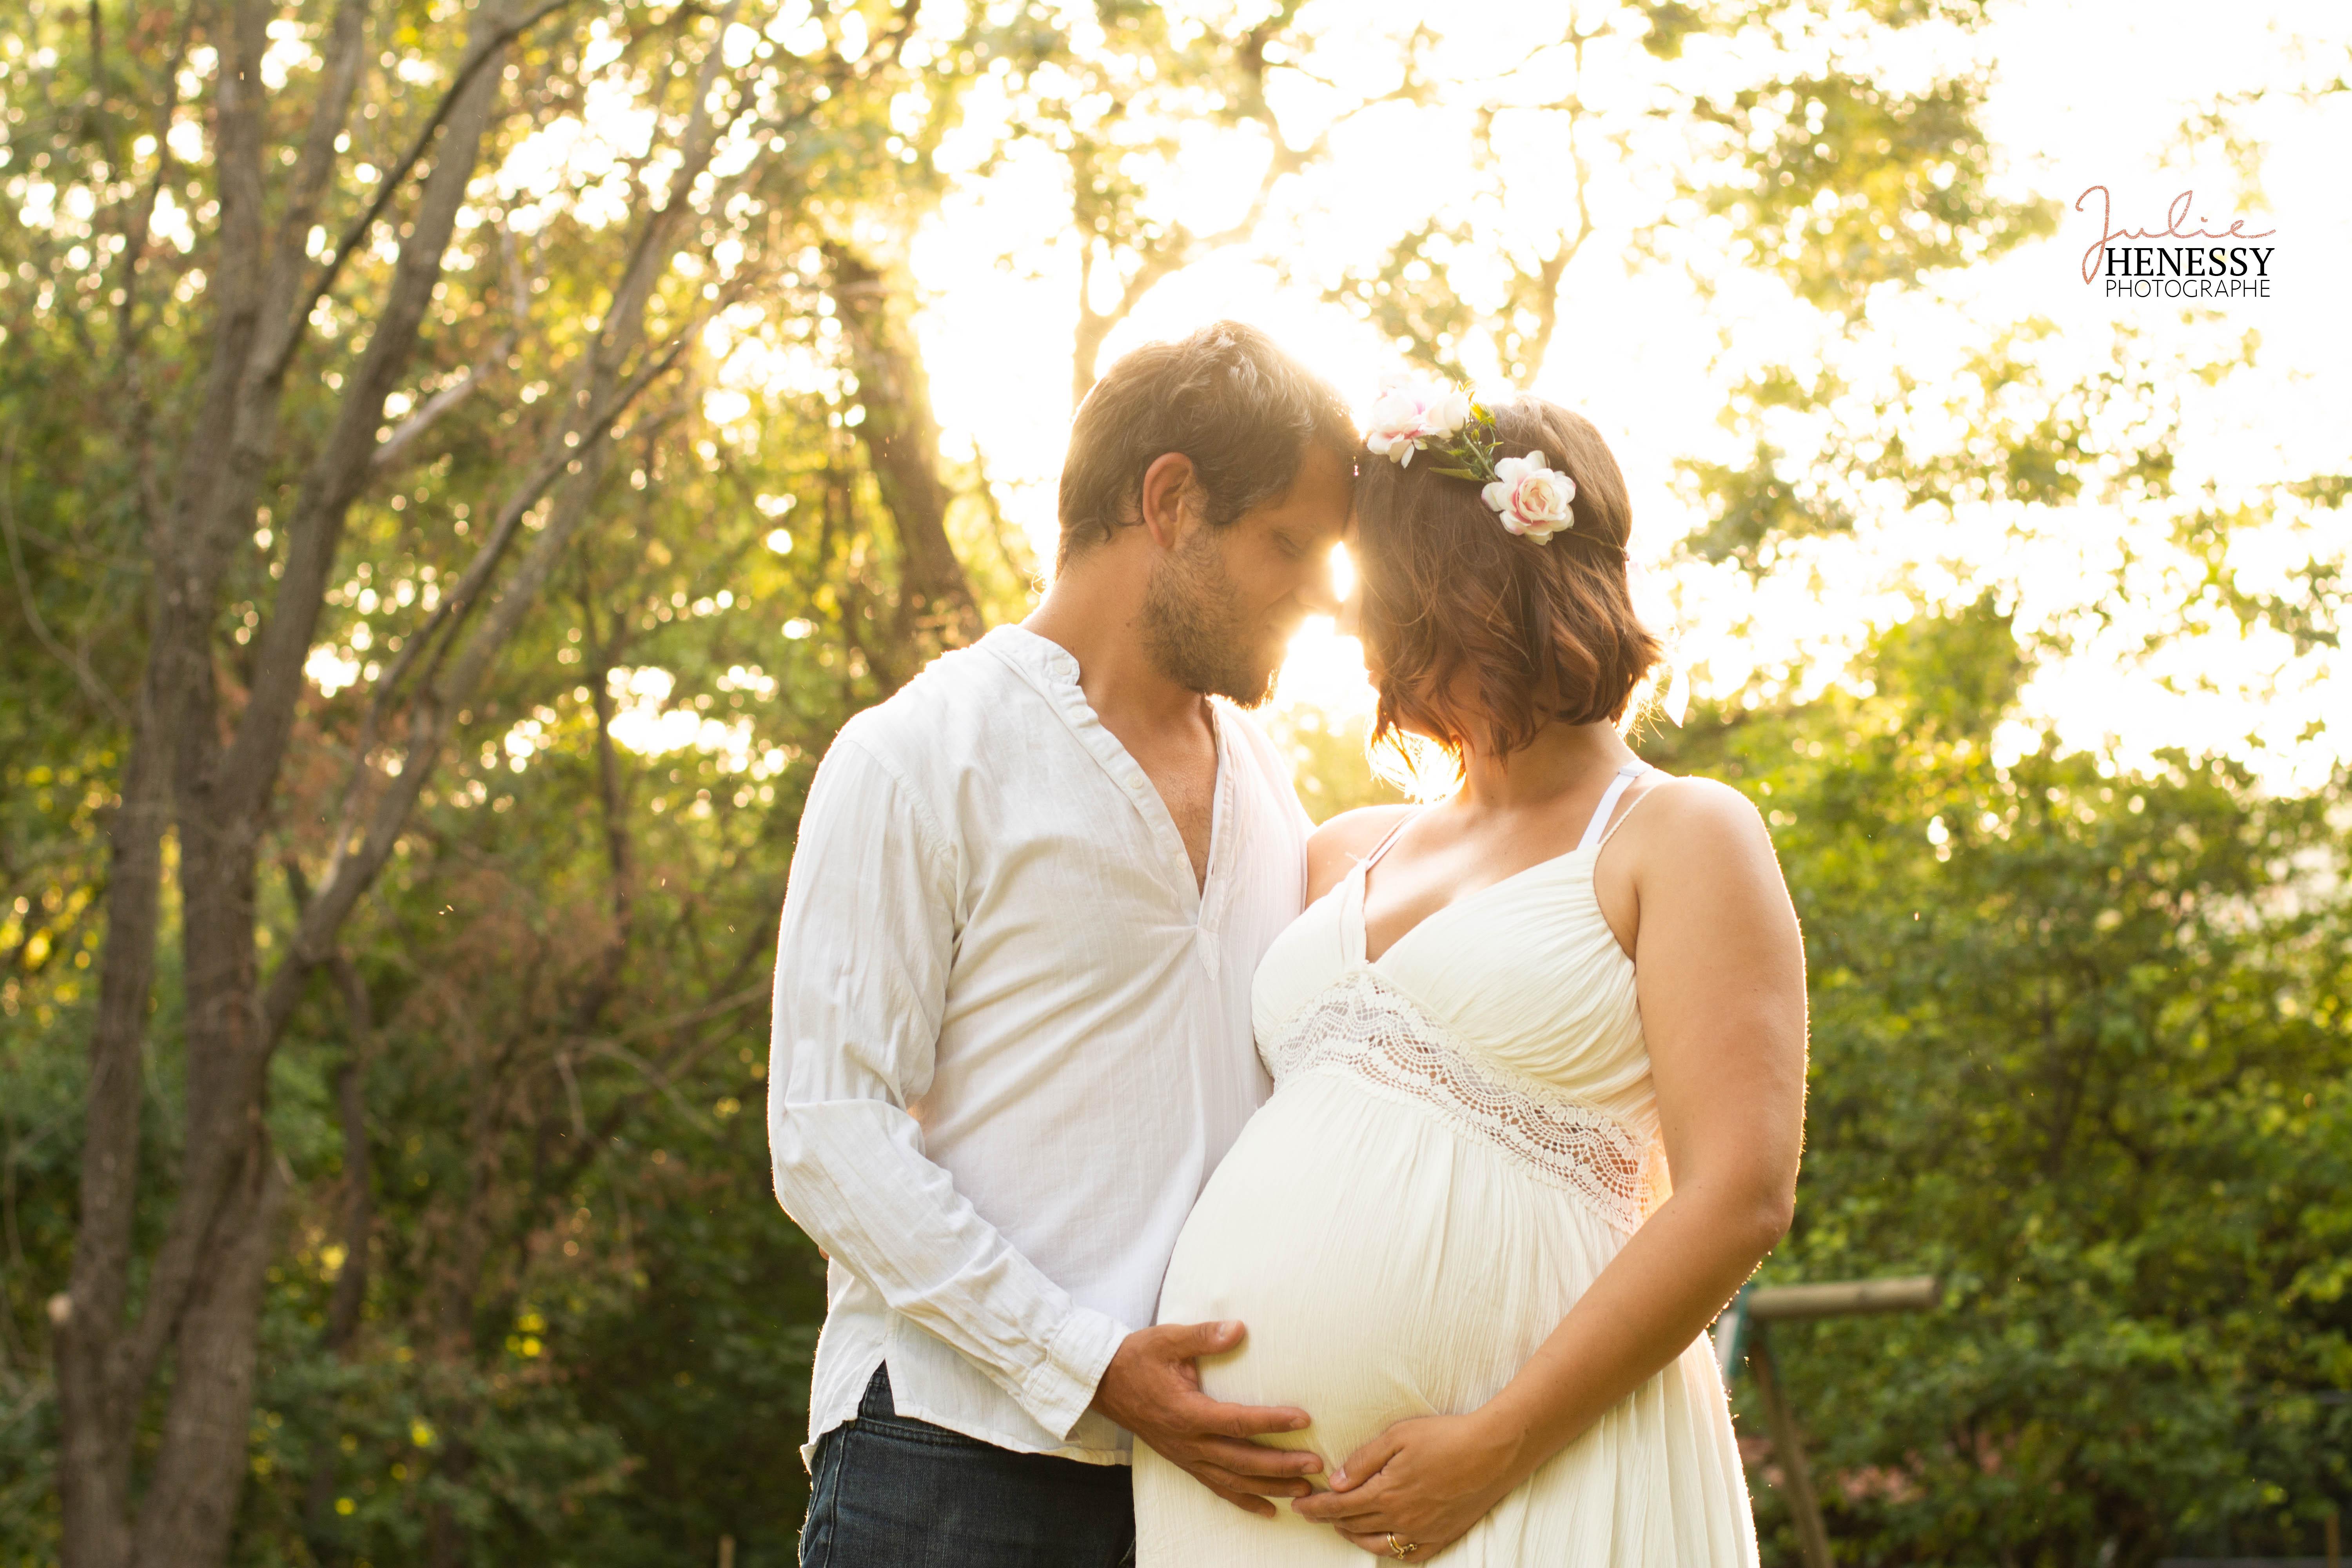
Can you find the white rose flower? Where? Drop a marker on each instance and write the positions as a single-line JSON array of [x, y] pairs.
[[1409, 412], [1393, 425], [1529, 496], [1448, 413]]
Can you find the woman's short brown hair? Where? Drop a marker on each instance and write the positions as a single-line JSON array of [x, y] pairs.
[[1475, 634]]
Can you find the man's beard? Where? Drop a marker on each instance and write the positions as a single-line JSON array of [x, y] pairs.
[[1198, 634]]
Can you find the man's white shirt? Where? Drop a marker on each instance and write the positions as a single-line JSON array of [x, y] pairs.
[[1012, 1037]]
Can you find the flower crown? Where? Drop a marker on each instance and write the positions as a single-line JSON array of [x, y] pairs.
[[1531, 498]]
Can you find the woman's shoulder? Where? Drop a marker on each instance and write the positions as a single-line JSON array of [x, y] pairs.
[[1333, 849], [1696, 815]]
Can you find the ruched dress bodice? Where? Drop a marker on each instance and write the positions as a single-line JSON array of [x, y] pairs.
[[1526, 972], [1463, 1133]]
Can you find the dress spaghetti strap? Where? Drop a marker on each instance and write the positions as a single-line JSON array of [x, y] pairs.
[[1597, 831], [1631, 807], [1365, 864]]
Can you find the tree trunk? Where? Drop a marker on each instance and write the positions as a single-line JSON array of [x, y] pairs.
[[103, 1362], [193, 1340], [192, 1495], [205, 1290], [902, 440], [94, 1462]]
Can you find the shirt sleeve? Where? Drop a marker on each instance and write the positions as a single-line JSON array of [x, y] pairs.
[[862, 964]]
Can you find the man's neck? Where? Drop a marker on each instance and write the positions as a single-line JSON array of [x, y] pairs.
[[1095, 612]]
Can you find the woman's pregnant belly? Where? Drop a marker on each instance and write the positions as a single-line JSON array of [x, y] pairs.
[[1386, 1263]]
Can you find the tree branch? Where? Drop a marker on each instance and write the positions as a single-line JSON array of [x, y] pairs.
[[395, 446], [137, 226], [314, 169], [352, 867], [356, 232], [429, 642], [342, 466]]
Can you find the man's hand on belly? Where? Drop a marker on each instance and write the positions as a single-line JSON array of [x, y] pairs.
[[1153, 1389]]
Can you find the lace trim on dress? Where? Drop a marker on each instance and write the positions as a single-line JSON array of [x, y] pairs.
[[1365, 1026]]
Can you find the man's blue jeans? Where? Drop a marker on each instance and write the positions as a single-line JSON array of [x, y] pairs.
[[893, 1492]]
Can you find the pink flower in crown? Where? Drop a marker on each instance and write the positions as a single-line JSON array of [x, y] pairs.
[[1407, 413], [1530, 498]]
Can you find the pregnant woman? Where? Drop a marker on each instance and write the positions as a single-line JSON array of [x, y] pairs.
[[1499, 1026]]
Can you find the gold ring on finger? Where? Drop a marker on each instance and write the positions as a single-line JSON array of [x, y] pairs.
[[1400, 1549]]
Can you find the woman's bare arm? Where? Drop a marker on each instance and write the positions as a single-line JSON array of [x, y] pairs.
[[1720, 972]]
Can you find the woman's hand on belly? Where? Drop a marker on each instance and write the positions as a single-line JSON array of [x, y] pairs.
[[1424, 1481]]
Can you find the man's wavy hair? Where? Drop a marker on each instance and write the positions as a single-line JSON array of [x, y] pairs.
[[1226, 397], [1477, 636]]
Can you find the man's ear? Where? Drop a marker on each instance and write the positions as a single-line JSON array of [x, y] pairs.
[[1166, 485]]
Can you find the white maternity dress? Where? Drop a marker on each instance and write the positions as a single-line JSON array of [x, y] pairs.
[[1462, 1135]]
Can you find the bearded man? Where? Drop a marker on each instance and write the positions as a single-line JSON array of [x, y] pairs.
[[1011, 1033]]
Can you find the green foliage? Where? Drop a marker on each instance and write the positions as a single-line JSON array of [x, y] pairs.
[[2080, 1050], [1758, 502], [1670, 23], [1825, 177], [1844, 185], [590, 1349], [1870, 434], [1412, 298]]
